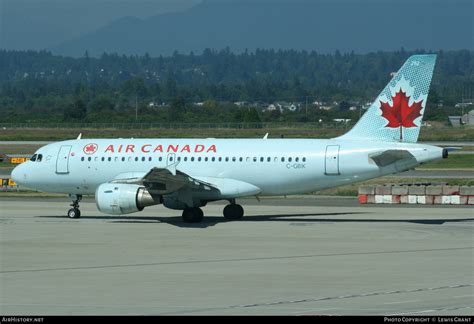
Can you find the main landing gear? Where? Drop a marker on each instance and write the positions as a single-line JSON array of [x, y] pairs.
[[74, 212], [193, 215], [232, 211]]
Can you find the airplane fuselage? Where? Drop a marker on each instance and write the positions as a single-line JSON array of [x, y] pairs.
[[275, 166]]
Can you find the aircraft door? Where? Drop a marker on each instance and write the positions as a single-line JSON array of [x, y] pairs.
[[62, 163], [332, 160]]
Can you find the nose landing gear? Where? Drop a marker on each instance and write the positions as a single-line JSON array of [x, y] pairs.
[[74, 212]]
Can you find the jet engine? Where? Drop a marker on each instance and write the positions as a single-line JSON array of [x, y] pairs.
[[119, 198]]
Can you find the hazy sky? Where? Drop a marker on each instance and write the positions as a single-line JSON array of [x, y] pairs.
[[70, 27], [36, 24]]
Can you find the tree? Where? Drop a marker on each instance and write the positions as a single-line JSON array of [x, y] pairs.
[[176, 110], [77, 111], [102, 104]]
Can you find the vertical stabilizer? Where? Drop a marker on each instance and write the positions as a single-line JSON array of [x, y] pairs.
[[397, 113]]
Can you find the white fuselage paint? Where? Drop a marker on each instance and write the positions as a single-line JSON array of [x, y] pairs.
[[315, 164]]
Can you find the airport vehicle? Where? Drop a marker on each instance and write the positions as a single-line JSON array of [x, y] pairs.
[[127, 175]]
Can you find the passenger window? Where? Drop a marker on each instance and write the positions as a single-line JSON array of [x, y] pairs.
[[149, 159], [289, 159], [179, 158], [40, 157], [296, 160], [255, 159], [89, 159], [143, 159], [103, 159], [192, 158], [206, 158], [269, 159], [304, 159], [282, 159], [241, 159], [171, 159], [33, 158], [123, 159], [185, 158], [261, 159], [160, 159], [82, 158], [234, 159], [136, 158], [199, 159], [213, 159], [227, 159], [109, 159], [220, 159]]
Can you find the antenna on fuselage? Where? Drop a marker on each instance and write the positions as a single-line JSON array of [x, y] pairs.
[[79, 136], [266, 136]]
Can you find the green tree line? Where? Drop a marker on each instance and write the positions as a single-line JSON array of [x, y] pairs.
[[214, 86]]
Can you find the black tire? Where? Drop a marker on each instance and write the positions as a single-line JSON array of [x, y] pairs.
[[74, 213], [233, 212], [193, 215]]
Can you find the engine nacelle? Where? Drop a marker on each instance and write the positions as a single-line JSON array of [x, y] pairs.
[[119, 198]]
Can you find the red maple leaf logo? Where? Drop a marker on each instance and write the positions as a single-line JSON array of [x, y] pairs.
[[401, 114], [90, 148]]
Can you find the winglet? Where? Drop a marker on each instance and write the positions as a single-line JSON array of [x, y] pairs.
[[79, 136]]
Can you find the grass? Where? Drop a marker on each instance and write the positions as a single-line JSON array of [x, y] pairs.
[[57, 134], [459, 161], [19, 148]]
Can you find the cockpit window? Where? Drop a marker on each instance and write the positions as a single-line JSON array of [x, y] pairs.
[[39, 158], [33, 158]]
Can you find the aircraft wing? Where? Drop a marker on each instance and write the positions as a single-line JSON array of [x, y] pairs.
[[163, 181]]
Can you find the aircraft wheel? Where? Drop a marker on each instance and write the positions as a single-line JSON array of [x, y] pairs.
[[233, 212], [74, 213], [193, 215]]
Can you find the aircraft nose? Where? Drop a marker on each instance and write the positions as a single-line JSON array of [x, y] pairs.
[[18, 174]]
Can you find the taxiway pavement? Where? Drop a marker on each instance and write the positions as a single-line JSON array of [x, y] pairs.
[[288, 256]]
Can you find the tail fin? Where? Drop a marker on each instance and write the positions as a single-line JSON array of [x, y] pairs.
[[396, 114]]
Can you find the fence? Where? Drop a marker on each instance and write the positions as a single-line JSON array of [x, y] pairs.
[[299, 125], [421, 194]]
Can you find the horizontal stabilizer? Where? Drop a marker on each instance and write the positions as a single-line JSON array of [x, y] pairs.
[[388, 157]]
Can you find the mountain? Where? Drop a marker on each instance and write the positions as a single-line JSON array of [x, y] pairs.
[[39, 24], [320, 25]]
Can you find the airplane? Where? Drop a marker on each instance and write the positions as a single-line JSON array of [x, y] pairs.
[[127, 175]]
